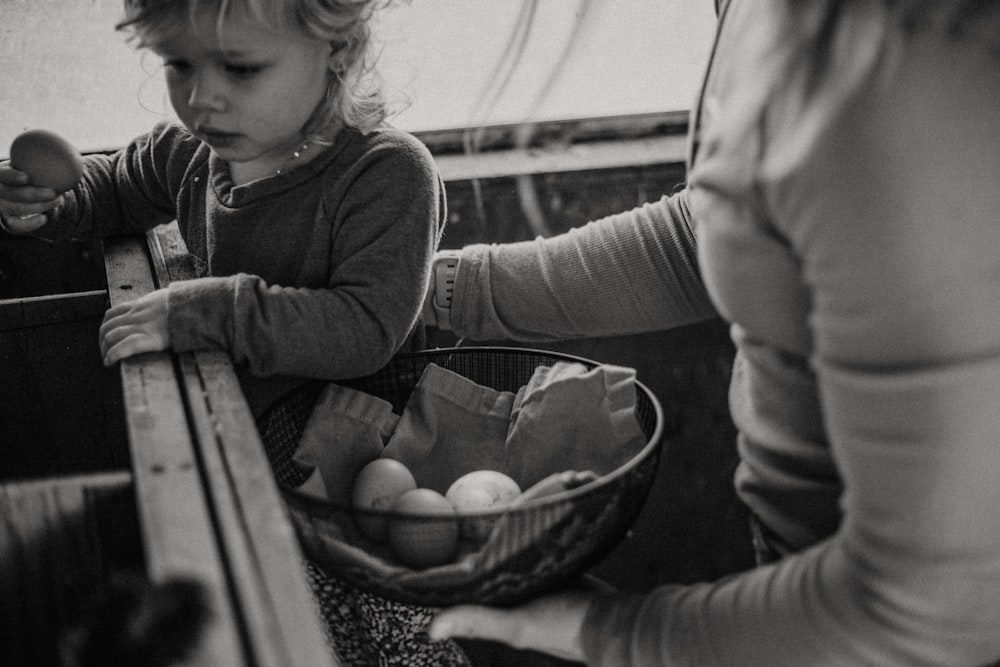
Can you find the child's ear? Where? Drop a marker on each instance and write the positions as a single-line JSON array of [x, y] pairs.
[[336, 61]]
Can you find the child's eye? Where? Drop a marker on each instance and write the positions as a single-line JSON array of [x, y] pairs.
[[243, 71], [177, 66]]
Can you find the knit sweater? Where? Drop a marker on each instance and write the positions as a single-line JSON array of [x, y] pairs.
[[864, 298], [316, 272]]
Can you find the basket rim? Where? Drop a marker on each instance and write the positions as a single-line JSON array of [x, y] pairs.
[[652, 444]]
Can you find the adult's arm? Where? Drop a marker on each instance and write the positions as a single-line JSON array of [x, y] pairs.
[[627, 273]]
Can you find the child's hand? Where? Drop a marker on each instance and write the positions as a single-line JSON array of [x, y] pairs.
[[23, 207], [136, 327]]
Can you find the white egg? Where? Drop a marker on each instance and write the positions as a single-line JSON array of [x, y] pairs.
[[377, 486], [478, 491]]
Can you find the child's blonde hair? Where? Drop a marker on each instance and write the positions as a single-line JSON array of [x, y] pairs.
[[354, 92]]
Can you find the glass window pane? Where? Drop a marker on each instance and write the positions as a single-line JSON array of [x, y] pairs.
[[577, 58], [66, 69], [450, 62]]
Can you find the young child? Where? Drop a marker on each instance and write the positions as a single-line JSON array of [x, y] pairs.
[[312, 224]]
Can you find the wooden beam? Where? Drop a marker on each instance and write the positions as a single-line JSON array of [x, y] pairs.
[[273, 595], [283, 626], [577, 157], [177, 521], [37, 311]]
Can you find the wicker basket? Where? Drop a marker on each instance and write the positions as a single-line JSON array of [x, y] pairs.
[[545, 542]]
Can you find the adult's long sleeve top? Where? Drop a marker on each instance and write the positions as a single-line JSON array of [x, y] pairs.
[[316, 272], [850, 233], [630, 272]]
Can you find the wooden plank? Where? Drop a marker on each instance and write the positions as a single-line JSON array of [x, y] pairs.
[[18, 314], [502, 136], [60, 408], [249, 596], [58, 538], [281, 615], [169, 255], [282, 622], [176, 518], [578, 157]]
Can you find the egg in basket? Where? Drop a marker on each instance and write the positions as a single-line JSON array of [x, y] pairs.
[[473, 475]]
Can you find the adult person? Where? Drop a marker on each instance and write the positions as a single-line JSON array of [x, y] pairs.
[[842, 211]]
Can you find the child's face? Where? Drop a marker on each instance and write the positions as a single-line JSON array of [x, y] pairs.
[[249, 94]]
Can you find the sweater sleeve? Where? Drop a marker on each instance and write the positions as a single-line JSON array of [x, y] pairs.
[[628, 273], [388, 222], [125, 192]]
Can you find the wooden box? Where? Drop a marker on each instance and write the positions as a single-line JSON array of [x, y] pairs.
[[152, 467]]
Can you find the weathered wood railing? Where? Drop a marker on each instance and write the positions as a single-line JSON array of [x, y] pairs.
[[207, 502], [197, 499]]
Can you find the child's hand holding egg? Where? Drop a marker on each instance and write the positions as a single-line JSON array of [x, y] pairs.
[[48, 160], [42, 167]]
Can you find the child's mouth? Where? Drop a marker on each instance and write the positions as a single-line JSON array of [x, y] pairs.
[[217, 138]]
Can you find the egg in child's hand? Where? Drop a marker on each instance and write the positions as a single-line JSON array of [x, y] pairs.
[[377, 486], [420, 542], [478, 491], [48, 160]]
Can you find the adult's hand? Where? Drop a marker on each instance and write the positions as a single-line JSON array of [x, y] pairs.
[[135, 327], [551, 624]]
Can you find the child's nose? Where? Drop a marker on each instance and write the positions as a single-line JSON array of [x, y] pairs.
[[206, 93]]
